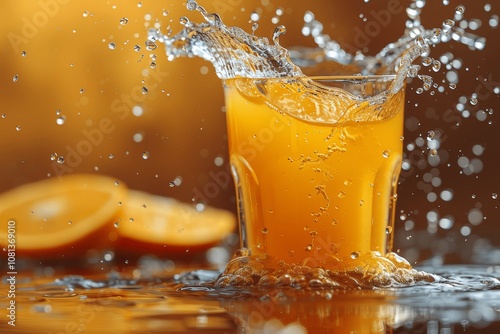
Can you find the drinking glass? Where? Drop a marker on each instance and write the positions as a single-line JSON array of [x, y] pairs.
[[315, 161]]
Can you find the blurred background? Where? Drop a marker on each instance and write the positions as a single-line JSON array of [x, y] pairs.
[[81, 93]]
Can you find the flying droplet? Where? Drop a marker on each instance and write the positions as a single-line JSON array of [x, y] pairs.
[[150, 45], [123, 21], [460, 10], [112, 46], [436, 65], [191, 5], [145, 155], [447, 25], [280, 30], [60, 120]]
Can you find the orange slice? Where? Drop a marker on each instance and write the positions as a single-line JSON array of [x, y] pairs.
[[160, 225], [60, 217]]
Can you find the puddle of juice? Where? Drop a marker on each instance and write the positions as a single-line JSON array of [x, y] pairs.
[[466, 299]]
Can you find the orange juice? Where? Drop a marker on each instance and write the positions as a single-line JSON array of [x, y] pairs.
[[309, 189]]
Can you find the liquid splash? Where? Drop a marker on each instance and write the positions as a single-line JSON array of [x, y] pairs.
[[232, 51], [235, 53], [360, 271]]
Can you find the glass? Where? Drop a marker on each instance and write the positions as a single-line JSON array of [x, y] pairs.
[[315, 182]]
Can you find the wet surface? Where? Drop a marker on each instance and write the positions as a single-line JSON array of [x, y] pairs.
[[466, 299]]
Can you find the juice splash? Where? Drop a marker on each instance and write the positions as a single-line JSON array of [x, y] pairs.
[[332, 115]]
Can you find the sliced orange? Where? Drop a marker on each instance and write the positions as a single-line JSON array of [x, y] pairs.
[[160, 225], [60, 217]]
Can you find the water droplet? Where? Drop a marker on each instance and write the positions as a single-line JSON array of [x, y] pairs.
[[131, 220], [386, 153], [354, 255], [15, 78], [112, 46], [116, 183], [388, 230], [85, 14], [347, 182], [53, 156], [137, 48], [191, 5], [460, 10], [436, 65], [123, 21], [60, 160], [70, 222], [280, 30], [18, 128], [150, 45], [145, 155], [473, 101], [308, 248], [144, 90], [111, 156], [448, 24], [60, 120], [265, 230], [427, 61], [430, 135], [116, 225], [341, 194], [23, 54], [494, 195]]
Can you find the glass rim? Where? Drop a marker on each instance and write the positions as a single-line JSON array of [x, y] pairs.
[[354, 78], [329, 78]]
